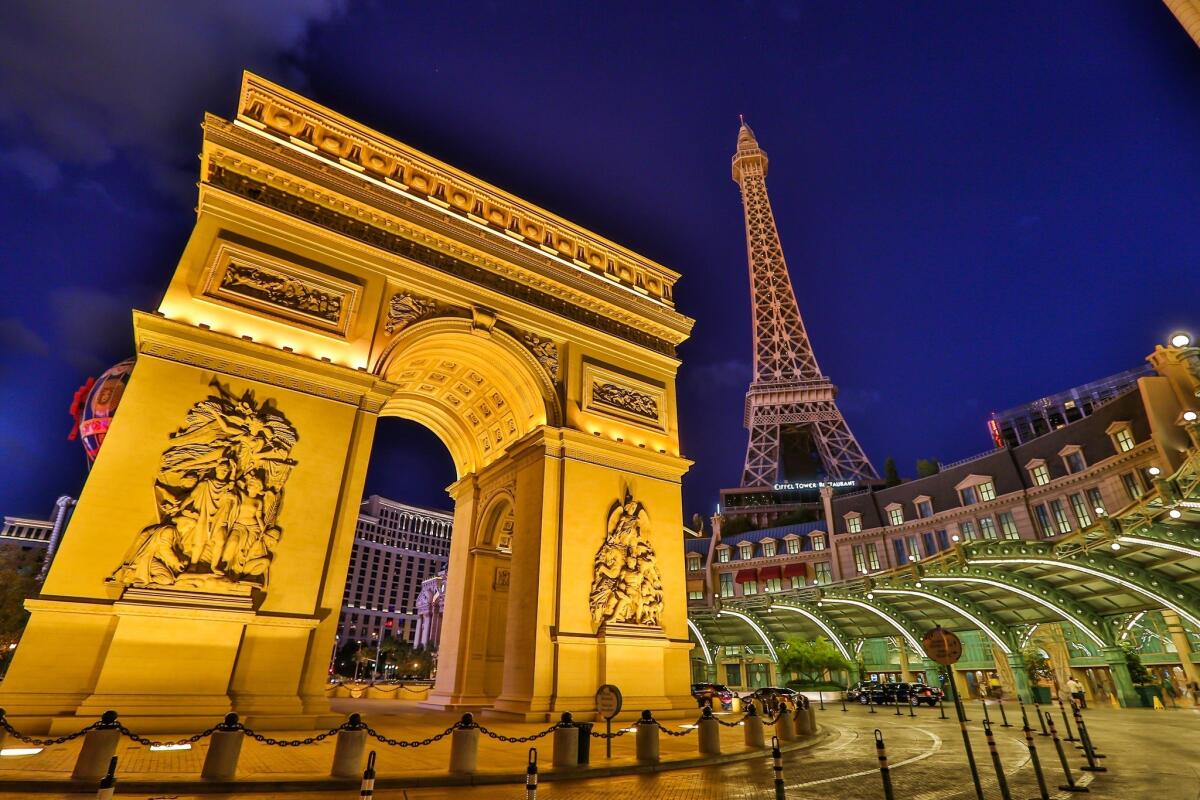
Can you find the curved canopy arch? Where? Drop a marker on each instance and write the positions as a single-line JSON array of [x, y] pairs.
[[991, 626], [701, 641], [821, 620], [477, 391], [885, 611], [757, 625]]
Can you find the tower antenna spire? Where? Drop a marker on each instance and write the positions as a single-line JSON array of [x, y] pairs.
[[796, 430]]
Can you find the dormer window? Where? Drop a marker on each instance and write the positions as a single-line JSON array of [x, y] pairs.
[[768, 548], [853, 522], [976, 489], [895, 513], [818, 541], [693, 562], [924, 506], [1122, 436], [745, 551], [1072, 456], [793, 545], [1039, 473], [723, 554]]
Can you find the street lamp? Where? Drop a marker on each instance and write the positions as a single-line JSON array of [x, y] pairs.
[[1180, 339]]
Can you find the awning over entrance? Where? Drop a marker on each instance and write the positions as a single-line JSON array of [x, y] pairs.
[[744, 575], [795, 571], [766, 573]]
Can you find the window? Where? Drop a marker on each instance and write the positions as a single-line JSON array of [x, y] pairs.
[[1039, 472], [746, 551], [726, 584], [968, 495], [1043, 520], [1060, 516], [987, 527], [924, 507], [696, 595], [693, 562], [1072, 457], [1095, 500], [749, 588], [860, 559], [1124, 440], [872, 556], [818, 541], [854, 523], [901, 556], [927, 540], [914, 552], [987, 491], [793, 546], [768, 549], [943, 540], [773, 585], [966, 529], [1133, 488], [1080, 507], [723, 555], [1008, 525], [895, 514], [797, 581], [823, 573]]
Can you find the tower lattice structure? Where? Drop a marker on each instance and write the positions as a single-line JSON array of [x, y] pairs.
[[796, 429]]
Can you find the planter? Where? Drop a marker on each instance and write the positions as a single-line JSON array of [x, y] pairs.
[[1147, 695], [1043, 695]]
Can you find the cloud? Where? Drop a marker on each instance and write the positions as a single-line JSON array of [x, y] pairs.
[[16, 338], [718, 374], [34, 166], [93, 326], [88, 81]]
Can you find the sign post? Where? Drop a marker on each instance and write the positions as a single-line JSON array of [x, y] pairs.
[[608, 703], [945, 648]]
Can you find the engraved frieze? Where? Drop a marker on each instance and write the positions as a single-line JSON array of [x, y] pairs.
[[406, 308], [283, 290], [545, 351], [218, 492], [626, 583], [626, 399]]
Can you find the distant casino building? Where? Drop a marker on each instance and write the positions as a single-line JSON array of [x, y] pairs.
[[1021, 424], [397, 548]]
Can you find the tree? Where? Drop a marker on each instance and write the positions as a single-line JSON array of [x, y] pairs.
[[891, 476], [1133, 662], [811, 658], [1037, 666], [927, 467], [18, 581]]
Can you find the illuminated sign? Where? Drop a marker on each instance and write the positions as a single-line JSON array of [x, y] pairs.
[[799, 485]]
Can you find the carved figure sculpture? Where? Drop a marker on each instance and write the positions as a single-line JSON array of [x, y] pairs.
[[626, 582], [218, 492]]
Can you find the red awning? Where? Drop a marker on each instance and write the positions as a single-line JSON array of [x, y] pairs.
[[766, 573], [795, 571], [744, 575]]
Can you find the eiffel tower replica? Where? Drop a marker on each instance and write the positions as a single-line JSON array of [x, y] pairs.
[[797, 433]]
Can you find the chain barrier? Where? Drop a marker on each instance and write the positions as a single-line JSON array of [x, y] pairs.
[[602, 735], [320, 737], [151, 743], [533, 737], [437, 737], [670, 732], [33, 740], [730, 724]]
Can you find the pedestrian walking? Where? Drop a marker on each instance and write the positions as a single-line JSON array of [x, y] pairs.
[[1076, 690]]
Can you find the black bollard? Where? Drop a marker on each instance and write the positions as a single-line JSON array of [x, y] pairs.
[[1003, 716], [531, 776], [843, 702], [108, 784], [1038, 711], [1066, 722], [896, 702], [1000, 779], [986, 716], [1084, 737], [961, 713], [912, 708], [870, 701], [367, 789], [1062, 758], [1043, 791], [942, 706], [777, 765], [821, 699], [884, 772]]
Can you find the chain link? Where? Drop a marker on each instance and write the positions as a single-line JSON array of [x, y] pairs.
[[602, 735], [670, 732], [730, 724], [151, 743], [320, 737], [13, 732], [437, 737], [516, 739]]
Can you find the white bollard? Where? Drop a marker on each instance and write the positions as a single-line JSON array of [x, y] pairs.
[[348, 755], [647, 739], [803, 722], [224, 749], [464, 746], [566, 743], [812, 719], [709, 732], [785, 726], [99, 746], [752, 729]]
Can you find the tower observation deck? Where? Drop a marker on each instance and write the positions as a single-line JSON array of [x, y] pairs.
[[796, 432]]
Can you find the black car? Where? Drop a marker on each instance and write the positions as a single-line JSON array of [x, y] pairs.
[[918, 693], [714, 695], [770, 698], [872, 692]]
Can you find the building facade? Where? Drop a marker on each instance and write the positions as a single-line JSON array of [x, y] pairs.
[[397, 548]]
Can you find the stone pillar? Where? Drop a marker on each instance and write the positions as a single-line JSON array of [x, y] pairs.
[[932, 673], [905, 672], [1114, 657], [1020, 678], [1005, 671], [1183, 647]]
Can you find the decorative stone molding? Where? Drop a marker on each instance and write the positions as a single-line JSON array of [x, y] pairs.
[[626, 583], [545, 351], [219, 488], [631, 400], [406, 308]]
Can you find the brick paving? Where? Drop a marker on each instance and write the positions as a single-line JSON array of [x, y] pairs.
[[1150, 756]]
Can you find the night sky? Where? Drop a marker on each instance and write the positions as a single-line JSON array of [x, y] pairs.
[[981, 203]]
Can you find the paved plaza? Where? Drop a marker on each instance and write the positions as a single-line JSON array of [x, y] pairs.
[[1149, 755]]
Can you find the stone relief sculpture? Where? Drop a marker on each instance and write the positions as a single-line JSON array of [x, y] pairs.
[[282, 290], [218, 492], [545, 351], [406, 308], [624, 398], [626, 583]]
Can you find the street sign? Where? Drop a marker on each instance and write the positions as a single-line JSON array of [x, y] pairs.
[[942, 646], [608, 701]]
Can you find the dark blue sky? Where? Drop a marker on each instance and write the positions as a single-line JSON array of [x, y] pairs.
[[980, 203]]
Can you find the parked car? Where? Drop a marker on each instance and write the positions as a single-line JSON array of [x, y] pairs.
[[918, 693], [769, 698], [872, 692], [714, 695]]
